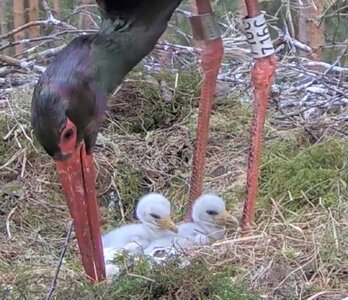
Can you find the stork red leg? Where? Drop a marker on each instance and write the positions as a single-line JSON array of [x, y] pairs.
[[77, 178], [262, 76], [204, 29]]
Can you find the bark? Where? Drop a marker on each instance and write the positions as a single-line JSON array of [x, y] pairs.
[[56, 8], [18, 20], [85, 21], [4, 7], [32, 9], [309, 32]]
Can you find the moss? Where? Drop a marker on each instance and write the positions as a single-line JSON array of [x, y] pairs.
[[225, 290], [166, 282], [130, 185], [297, 176], [290, 253], [6, 147], [139, 106]]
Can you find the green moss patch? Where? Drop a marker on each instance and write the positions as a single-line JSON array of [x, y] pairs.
[[298, 177]]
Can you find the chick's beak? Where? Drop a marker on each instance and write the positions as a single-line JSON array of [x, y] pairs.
[[226, 219], [167, 223]]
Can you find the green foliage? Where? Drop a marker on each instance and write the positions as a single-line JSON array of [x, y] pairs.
[[317, 174]]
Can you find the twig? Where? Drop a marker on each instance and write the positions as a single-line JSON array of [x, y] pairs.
[[300, 268], [13, 62], [239, 240], [316, 296], [285, 38], [60, 261], [23, 27], [52, 19], [28, 63], [24, 163], [17, 154], [46, 53], [308, 63], [49, 21], [46, 37], [8, 222]]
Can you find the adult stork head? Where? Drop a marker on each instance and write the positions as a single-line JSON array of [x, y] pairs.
[[53, 128], [66, 110]]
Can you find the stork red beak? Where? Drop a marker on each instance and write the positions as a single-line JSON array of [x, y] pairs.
[[77, 177]]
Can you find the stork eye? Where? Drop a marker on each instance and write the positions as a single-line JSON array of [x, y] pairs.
[[68, 138], [68, 134], [212, 212], [157, 217]]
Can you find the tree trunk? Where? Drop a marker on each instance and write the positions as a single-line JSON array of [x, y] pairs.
[[3, 17], [85, 21], [4, 21], [32, 9], [18, 20], [56, 8], [309, 32]]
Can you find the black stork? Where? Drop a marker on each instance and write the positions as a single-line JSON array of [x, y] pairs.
[[70, 98]]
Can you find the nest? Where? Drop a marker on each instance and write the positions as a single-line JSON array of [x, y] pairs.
[[146, 143], [161, 154]]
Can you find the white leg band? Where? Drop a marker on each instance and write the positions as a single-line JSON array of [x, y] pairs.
[[259, 39]]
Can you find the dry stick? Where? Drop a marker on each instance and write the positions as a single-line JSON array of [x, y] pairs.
[[23, 64], [283, 37], [50, 16], [62, 254], [46, 37], [53, 19], [26, 41], [46, 53], [50, 21], [23, 27], [12, 61]]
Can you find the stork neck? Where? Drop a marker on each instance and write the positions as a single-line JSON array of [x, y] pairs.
[[126, 38]]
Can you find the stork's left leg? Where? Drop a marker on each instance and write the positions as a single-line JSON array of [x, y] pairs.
[[262, 75], [205, 30]]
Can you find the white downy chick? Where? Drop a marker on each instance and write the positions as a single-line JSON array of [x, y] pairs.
[[209, 217], [153, 211]]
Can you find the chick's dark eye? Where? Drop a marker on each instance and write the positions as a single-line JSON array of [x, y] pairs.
[[155, 216], [212, 212], [68, 134]]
